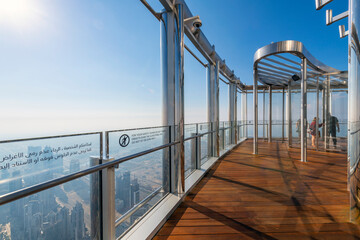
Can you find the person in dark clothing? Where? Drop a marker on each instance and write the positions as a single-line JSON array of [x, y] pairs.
[[313, 131], [333, 124], [298, 123]]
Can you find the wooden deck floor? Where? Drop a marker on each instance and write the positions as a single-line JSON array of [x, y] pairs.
[[269, 196]]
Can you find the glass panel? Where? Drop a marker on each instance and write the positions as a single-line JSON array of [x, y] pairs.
[[277, 114], [190, 130], [142, 178], [338, 118], [221, 136], [223, 101], [136, 181], [295, 113], [205, 141], [227, 134], [125, 142], [63, 212], [250, 116], [36, 161]]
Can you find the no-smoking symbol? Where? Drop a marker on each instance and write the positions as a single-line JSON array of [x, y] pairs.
[[124, 140]]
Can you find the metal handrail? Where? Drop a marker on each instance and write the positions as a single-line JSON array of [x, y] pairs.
[[198, 135], [126, 215], [21, 193], [354, 132], [133, 129]]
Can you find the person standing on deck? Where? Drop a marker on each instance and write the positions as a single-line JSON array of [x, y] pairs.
[[334, 122], [298, 123], [313, 131]]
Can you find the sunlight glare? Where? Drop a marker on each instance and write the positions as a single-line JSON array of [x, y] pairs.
[[19, 13]]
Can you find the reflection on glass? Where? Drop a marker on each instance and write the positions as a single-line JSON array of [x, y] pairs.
[[62, 212], [39, 216], [135, 181]]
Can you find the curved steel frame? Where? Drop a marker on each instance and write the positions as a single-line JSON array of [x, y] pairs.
[[281, 78], [295, 47], [353, 110]]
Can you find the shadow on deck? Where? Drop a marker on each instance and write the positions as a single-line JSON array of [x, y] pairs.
[[269, 196]]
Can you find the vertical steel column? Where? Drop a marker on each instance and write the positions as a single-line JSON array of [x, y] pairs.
[[172, 74], [330, 100], [195, 152], [289, 115], [303, 115], [353, 109], [270, 115], [246, 115], [95, 201], [179, 96], [283, 115], [235, 115], [323, 93], [327, 112], [255, 95], [264, 128], [244, 112], [217, 111], [232, 91], [317, 113], [108, 206], [211, 106]]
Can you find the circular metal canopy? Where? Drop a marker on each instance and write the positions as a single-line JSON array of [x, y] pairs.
[[279, 63]]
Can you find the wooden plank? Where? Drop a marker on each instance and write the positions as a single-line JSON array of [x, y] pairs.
[[269, 196]]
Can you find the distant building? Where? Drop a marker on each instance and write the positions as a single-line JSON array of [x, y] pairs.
[[77, 222], [135, 192], [123, 190]]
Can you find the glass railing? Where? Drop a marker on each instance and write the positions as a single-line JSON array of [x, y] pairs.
[[66, 208], [140, 177], [56, 186]]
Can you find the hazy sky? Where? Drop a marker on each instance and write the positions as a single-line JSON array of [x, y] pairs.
[[69, 66]]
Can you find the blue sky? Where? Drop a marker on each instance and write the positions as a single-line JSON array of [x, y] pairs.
[[73, 66]]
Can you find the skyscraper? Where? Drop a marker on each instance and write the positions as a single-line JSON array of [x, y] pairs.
[[135, 192], [77, 222]]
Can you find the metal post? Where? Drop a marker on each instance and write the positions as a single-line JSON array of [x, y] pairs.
[[330, 100], [244, 112], [198, 152], [246, 128], [172, 74], [108, 198], [323, 93], [179, 95], [255, 95], [232, 91], [264, 115], [289, 115], [223, 137], [195, 152], [283, 115], [327, 113], [317, 113], [95, 201], [270, 115], [211, 104], [353, 109], [217, 111], [213, 107], [303, 110], [235, 116]]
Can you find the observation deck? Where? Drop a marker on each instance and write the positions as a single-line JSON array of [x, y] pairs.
[[253, 176]]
